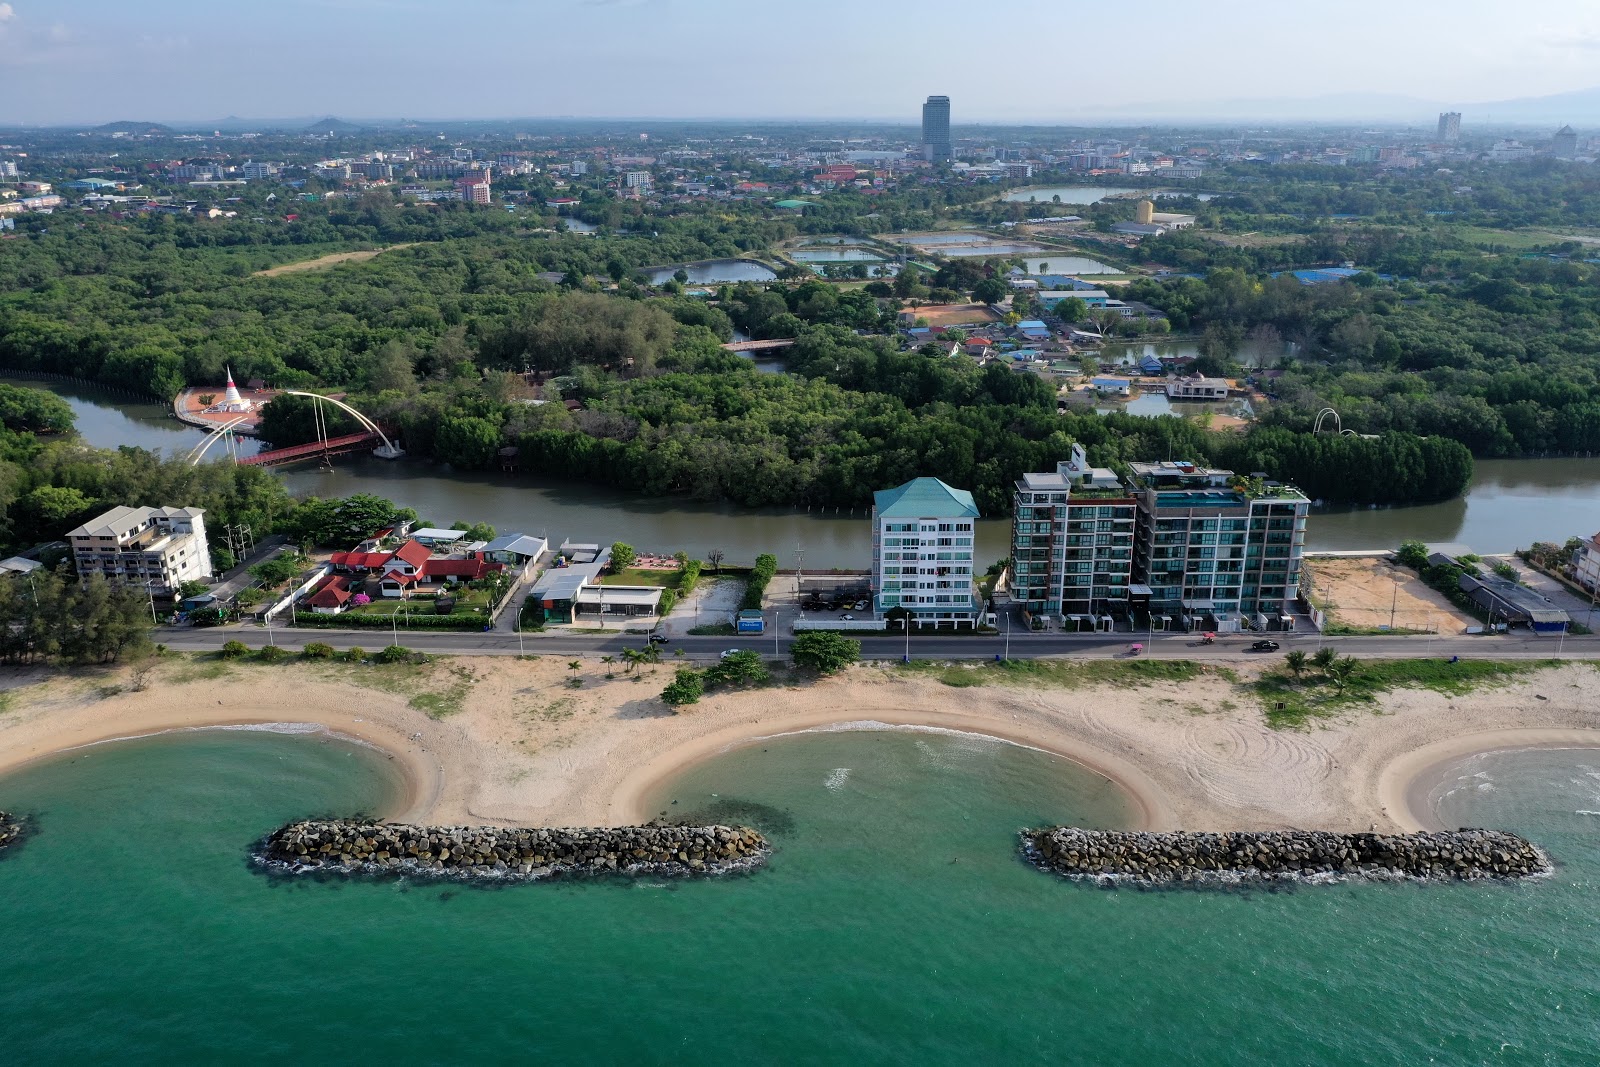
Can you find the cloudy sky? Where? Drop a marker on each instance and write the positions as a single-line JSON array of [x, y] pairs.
[[1055, 61]]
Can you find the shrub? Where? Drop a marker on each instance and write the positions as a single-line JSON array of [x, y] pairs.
[[669, 600], [317, 650], [686, 687], [234, 649], [272, 654], [355, 655], [743, 668], [766, 566], [394, 654], [1413, 554]]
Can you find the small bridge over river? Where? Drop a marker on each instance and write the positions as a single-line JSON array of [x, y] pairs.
[[759, 346], [370, 438]]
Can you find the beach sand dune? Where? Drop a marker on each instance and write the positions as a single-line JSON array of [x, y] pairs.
[[526, 747]]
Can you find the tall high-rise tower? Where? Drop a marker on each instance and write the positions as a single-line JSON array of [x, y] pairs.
[[1565, 143], [936, 129], [1450, 126]]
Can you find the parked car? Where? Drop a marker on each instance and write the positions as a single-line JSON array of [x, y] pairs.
[[729, 652], [847, 618], [1264, 646], [861, 605]]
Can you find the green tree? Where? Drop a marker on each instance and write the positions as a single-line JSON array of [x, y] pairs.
[[743, 668], [1295, 660], [1413, 554], [622, 556], [825, 653], [686, 687], [1324, 658]]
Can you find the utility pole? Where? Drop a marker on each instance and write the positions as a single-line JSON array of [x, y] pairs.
[[1394, 600], [1008, 635]]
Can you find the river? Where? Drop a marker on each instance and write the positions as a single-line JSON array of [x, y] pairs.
[[1511, 502]]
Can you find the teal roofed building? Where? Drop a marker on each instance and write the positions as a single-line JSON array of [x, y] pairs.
[[922, 543]]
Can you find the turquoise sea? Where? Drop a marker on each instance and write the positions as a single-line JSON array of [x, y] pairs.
[[895, 923]]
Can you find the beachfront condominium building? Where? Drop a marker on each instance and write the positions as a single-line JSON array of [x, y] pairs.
[[922, 535], [153, 548], [1072, 541], [1450, 126], [936, 129], [1586, 563], [1211, 546]]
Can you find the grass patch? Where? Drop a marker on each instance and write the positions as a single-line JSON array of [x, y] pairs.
[[199, 667], [1291, 702], [1066, 674], [640, 576], [439, 689], [715, 629]]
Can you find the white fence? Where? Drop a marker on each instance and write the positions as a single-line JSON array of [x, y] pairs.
[[298, 592], [865, 625]]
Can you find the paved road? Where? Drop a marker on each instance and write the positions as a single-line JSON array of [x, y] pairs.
[[1520, 645]]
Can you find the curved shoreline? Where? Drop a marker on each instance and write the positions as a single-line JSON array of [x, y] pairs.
[[1152, 807], [1404, 783], [421, 778]]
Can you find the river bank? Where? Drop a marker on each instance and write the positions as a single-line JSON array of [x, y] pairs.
[[528, 748]]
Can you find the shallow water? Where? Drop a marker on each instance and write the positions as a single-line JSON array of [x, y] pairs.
[[895, 922]]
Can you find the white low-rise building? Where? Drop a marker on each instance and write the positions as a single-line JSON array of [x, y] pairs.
[[153, 548]]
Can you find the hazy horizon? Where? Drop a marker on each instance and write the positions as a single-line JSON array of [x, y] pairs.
[[183, 61]]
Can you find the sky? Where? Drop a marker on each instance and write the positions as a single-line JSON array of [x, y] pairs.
[[1048, 61]]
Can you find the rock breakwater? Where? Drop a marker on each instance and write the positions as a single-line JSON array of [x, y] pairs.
[[1166, 858], [12, 830], [493, 852]]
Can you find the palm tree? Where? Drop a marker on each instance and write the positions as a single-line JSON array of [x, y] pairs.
[[1340, 671], [1324, 658], [574, 665], [632, 657], [1296, 662]]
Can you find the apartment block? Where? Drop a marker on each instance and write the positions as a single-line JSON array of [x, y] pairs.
[[1072, 541], [922, 535], [1213, 546], [153, 548]]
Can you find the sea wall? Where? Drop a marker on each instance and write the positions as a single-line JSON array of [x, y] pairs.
[[1164, 858], [509, 853]]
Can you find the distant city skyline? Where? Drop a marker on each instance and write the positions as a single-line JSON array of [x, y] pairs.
[[190, 61]]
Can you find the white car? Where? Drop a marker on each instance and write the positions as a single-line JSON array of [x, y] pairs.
[[730, 652], [847, 618]]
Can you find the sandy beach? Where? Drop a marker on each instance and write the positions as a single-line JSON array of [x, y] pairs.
[[526, 747]]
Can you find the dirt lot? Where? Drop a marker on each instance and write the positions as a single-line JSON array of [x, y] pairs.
[[1361, 592], [954, 314]]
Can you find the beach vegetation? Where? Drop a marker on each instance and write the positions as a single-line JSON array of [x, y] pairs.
[[355, 654], [233, 649], [1344, 682], [396, 654], [317, 650], [1066, 674], [1295, 660], [272, 654], [825, 653], [687, 687]]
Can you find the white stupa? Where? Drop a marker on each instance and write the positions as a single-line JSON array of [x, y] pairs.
[[231, 400]]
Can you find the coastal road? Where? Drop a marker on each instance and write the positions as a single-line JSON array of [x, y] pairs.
[[1021, 646]]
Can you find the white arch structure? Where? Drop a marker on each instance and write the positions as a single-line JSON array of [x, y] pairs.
[[199, 451], [389, 450], [1338, 426]]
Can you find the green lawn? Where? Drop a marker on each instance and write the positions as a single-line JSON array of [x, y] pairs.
[[466, 600], [638, 576]]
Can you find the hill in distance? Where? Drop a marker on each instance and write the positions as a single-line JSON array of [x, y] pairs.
[[154, 129], [333, 125]]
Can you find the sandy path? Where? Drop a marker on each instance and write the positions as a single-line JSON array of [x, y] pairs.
[[528, 748], [330, 260]]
